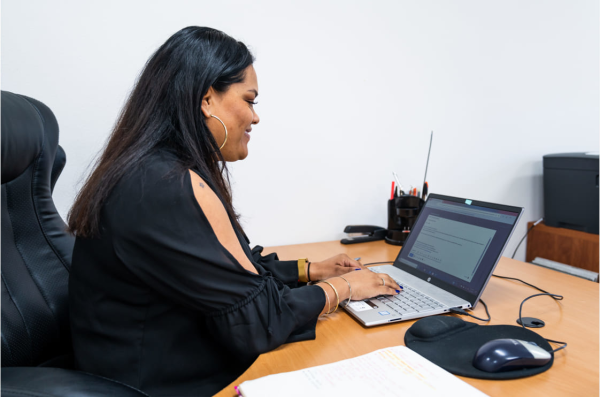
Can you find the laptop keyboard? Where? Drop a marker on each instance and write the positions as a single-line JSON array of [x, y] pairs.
[[409, 300]]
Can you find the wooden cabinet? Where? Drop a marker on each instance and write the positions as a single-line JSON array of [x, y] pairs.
[[566, 246]]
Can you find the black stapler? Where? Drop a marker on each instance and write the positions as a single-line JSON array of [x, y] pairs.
[[363, 234]]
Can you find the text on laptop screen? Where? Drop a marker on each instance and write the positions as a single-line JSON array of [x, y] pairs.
[[453, 240]]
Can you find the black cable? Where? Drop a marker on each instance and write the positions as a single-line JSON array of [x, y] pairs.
[[464, 313], [556, 341], [555, 297], [517, 279], [518, 245]]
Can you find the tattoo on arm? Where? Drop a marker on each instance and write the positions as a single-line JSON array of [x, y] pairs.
[[201, 184]]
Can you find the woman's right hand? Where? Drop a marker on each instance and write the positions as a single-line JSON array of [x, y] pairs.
[[367, 284]]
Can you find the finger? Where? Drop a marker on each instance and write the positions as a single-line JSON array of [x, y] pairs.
[[390, 291], [389, 282], [358, 260], [343, 270], [349, 262], [344, 260]]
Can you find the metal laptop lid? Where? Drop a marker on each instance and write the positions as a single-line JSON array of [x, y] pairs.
[[456, 243]]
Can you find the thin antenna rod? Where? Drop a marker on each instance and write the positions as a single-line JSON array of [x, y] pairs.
[[428, 153]]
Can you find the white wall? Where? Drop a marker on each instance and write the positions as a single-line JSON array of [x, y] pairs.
[[349, 91]]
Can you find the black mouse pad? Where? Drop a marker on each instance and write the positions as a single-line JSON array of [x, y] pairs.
[[452, 343]]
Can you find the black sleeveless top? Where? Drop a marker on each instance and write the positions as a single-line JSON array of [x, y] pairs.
[[158, 303]]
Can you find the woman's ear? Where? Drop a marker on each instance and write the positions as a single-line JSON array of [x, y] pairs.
[[207, 102]]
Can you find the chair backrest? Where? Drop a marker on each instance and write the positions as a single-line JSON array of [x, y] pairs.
[[36, 247]]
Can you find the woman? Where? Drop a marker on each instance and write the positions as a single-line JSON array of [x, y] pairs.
[[165, 293]]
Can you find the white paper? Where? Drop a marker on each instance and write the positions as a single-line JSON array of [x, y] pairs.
[[395, 371]]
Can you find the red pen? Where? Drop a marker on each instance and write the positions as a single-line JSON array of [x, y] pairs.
[[392, 197]]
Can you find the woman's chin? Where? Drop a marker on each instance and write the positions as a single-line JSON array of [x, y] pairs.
[[240, 155], [244, 149]]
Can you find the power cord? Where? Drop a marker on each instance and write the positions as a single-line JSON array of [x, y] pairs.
[[553, 296], [456, 310], [518, 279], [545, 293], [532, 226]]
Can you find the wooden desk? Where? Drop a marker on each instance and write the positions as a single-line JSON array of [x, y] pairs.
[[574, 320]]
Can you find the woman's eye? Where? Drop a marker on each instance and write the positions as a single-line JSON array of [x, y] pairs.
[[252, 103]]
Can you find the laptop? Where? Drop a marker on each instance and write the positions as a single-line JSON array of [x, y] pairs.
[[446, 262]]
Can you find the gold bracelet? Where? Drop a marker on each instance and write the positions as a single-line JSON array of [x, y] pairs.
[[336, 295], [350, 287], [302, 270], [328, 304]]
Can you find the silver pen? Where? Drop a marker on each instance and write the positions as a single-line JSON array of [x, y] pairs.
[[397, 183]]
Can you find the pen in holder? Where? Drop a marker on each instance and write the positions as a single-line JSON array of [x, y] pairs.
[[402, 214]]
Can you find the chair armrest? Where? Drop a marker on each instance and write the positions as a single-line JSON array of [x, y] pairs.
[[58, 382]]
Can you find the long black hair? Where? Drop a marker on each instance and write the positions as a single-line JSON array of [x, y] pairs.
[[164, 111]]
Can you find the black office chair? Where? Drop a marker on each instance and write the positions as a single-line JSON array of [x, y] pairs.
[[36, 259]]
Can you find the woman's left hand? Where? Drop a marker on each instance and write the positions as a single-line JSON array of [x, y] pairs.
[[334, 266]]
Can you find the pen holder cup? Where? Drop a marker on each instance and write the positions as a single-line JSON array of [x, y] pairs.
[[402, 214]]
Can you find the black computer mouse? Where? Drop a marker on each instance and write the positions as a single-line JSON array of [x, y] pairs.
[[509, 354]]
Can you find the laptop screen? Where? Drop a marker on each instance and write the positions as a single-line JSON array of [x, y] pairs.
[[456, 243]]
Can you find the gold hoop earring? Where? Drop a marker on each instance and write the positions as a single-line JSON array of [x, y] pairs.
[[225, 141]]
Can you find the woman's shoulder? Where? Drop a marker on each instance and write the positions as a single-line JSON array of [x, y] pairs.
[[159, 164], [157, 177], [164, 165]]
